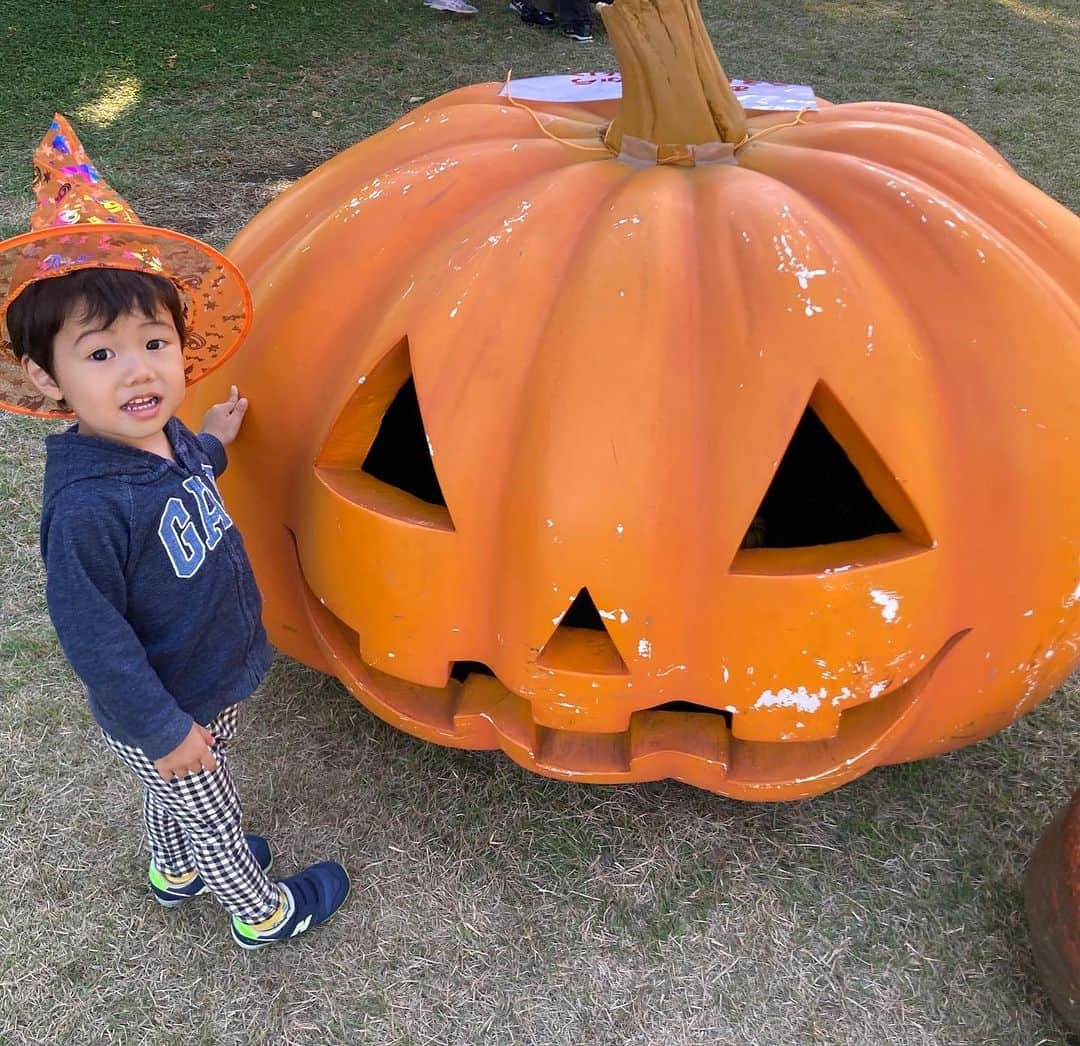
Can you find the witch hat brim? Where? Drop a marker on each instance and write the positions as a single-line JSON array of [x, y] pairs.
[[214, 295]]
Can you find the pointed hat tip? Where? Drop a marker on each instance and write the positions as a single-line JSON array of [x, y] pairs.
[[59, 143]]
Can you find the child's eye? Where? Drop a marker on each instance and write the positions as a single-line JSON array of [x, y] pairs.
[[156, 343], [101, 355]]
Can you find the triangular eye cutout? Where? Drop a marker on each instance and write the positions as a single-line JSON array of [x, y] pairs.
[[401, 453], [581, 643], [378, 453], [831, 486]]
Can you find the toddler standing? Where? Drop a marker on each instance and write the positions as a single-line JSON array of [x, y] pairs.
[[106, 320]]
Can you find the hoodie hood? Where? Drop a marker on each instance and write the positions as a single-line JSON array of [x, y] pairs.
[[73, 458]]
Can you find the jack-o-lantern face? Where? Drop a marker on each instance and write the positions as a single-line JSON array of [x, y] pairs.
[[756, 473]]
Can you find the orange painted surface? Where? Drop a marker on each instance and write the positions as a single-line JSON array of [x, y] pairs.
[[610, 363]]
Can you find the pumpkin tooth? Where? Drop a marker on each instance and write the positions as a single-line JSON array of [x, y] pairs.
[[483, 700], [658, 736], [594, 754]]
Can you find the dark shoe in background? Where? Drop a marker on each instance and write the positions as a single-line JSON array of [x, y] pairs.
[[531, 14], [579, 31]]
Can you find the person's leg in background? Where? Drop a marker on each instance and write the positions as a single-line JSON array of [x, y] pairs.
[[575, 21]]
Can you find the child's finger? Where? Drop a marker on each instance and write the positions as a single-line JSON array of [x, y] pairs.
[[230, 403]]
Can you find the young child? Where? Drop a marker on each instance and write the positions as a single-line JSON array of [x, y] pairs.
[[148, 585]]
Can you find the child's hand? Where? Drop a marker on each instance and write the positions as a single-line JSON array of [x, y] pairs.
[[224, 419], [191, 756]]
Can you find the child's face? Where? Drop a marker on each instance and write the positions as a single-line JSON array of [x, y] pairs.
[[123, 381]]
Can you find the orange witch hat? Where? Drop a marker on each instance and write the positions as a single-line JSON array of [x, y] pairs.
[[82, 222]]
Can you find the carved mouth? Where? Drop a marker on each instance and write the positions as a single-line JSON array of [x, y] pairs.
[[696, 747]]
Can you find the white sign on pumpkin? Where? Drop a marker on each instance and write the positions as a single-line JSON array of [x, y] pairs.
[[600, 86]]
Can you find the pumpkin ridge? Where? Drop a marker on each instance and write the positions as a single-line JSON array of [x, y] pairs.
[[844, 139], [986, 230], [918, 119], [502, 592], [542, 177], [707, 208], [336, 180], [519, 123], [982, 171], [669, 393], [377, 235], [486, 219]]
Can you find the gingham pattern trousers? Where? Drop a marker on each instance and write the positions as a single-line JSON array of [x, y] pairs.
[[196, 822]]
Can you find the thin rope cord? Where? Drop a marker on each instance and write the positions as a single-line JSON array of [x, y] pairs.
[[554, 137], [748, 138]]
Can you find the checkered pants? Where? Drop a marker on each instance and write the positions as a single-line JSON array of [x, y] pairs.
[[195, 822]]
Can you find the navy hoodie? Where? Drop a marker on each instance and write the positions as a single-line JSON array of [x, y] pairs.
[[148, 584]]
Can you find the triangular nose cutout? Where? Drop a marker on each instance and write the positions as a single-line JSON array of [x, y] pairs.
[[819, 497], [581, 643]]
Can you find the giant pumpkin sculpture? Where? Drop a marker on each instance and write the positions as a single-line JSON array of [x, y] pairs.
[[731, 447]]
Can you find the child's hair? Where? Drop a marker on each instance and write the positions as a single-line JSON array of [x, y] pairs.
[[37, 314]]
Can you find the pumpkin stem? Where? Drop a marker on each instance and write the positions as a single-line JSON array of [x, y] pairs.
[[675, 92]]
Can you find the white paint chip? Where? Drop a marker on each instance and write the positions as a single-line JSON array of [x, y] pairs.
[[799, 698], [889, 603], [671, 668]]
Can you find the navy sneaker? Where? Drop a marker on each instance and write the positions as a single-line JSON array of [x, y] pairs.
[[169, 895], [315, 894], [579, 31]]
